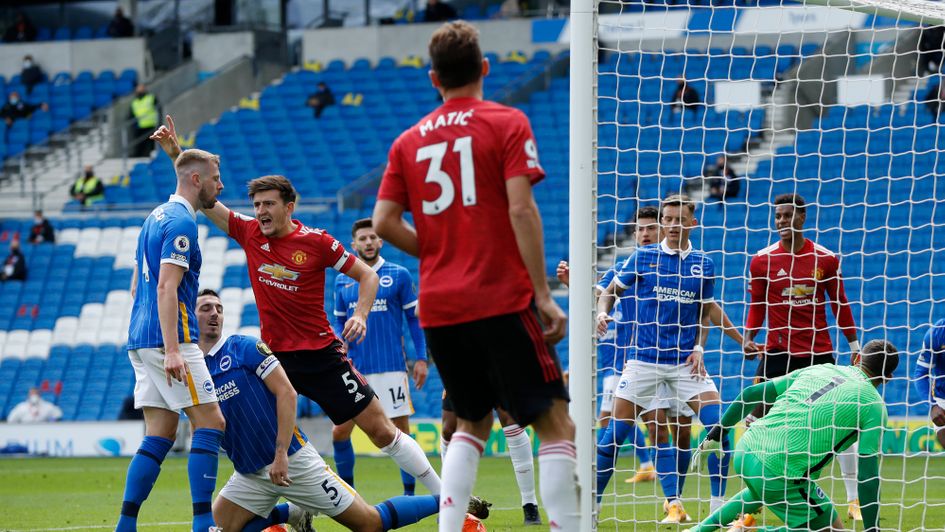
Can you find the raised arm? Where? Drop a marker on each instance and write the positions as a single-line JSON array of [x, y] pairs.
[[388, 221], [526, 224]]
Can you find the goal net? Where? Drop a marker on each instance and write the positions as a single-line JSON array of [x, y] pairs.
[[735, 105]]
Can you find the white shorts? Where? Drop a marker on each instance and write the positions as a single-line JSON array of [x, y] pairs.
[[315, 487], [607, 395], [393, 390], [151, 387], [643, 383], [940, 402], [674, 407]]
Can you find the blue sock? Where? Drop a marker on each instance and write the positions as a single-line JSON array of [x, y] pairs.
[[278, 516], [608, 444], [410, 484], [666, 465], [344, 460], [640, 447], [143, 472], [711, 415], [202, 470], [403, 511], [683, 458]]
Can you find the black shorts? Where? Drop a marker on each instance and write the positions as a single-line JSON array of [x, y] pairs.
[[447, 405], [776, 364], [327, 377], [499, 361]]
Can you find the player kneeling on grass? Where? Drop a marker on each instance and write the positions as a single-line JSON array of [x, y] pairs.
[[818, 413], [271, 455], [929, 375]]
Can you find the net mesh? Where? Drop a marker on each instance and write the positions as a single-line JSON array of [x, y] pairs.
[[737, 105]]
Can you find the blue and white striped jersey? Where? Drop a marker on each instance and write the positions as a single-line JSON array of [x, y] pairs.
[[383, 349], [668, 289], [169, 235], [238, 366], [623, 314], [929, 372]]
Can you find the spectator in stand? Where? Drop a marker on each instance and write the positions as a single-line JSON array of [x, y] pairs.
[[723, 183], [145, 111], [34, 410], [31, 75], [437, 11], [685, 98], [14, 266], [930, 50], [120, 25], [16, 108], [42, 230], [321, 98], [22, 30], [88, 188]]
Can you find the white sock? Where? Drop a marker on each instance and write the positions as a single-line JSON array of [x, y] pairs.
[[409, 456], [444, 443], [520, 451], [715, 503], [847, 461], [557, 476], [646, 465], [459, 477]]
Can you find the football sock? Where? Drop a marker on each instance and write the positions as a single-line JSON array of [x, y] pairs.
[[847, 461], [403, 511], [667, 470], [202, 470], [608, 444], [344, 460], [459, 477], [409, 456], [641, 449], [143, 471], [444, 445], [683, 459], [520, 450], [410, 484], [557, 475], [278, 516], [710, 416]]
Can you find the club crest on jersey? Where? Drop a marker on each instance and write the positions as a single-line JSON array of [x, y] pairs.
[[278, 272], [299, 257], [818, 274], [225, 362], [263, 348], [386, 281], [696, 270], [182, 243]]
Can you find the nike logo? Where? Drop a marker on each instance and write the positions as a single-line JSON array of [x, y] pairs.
[[208, 477]]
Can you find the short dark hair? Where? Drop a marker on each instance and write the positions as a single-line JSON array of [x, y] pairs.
[[792, 199], [208, 292], [455, 55], [363, 223], [646, 212], [879, 358], [273, 182]]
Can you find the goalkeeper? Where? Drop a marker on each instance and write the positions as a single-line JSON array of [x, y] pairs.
[[818, 412]]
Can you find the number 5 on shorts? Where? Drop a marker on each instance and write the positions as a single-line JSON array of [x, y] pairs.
[[332, 492], [350, 383]]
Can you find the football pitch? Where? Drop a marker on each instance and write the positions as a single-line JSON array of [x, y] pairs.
[[85, 494]]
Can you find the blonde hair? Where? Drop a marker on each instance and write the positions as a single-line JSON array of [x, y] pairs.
[[194, 161], [678, 200]]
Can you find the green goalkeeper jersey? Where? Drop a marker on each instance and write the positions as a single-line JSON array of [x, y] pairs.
[[822, 412]]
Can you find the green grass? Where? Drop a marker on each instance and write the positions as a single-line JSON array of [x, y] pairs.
[[85, 494]]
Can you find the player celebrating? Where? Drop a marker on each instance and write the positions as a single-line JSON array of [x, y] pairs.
[[790, 283], [287, 262], [466, 172], [818, 412], [671, 285], [271, 455], [929, 375], [380, 358], [170, 373]]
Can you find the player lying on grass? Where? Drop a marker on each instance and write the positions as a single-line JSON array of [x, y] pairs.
[[818, 412], [271, 455], [929, 375]]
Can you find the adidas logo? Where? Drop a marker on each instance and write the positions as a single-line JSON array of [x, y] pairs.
[[781, 272], [358, 397], [265, 247]]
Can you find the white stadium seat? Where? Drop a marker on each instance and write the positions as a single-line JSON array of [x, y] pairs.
[[68, 236], [39, 344], [15, 346], [249, 331], [87, 245], [64, 333], [234, 257]]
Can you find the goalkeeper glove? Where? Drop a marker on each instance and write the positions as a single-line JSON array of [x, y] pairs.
[[712, 444]]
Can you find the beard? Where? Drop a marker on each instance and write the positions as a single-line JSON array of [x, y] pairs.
[[368, 256], [206, 200]]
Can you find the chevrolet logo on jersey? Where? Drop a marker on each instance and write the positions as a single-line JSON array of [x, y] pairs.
[[798, 290], [278, 272]]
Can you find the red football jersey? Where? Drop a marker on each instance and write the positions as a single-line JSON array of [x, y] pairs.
[[288, 279], [791, 291], [450, 171]]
